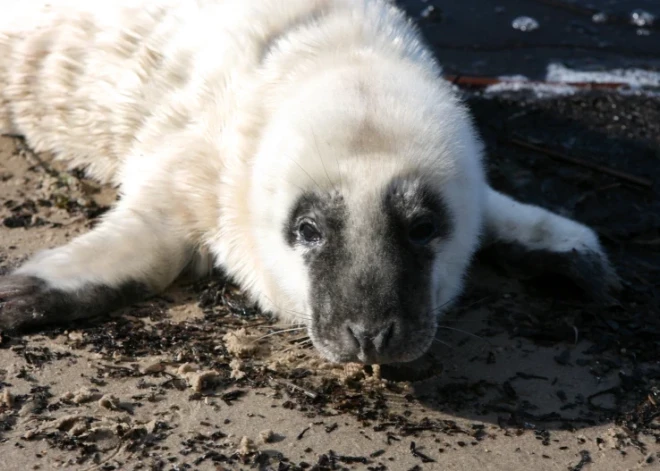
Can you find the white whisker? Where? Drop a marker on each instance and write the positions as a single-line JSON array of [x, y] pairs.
[[297, 314], [465, 332], [442, 342], [461, 331], [277, 332], [318, 151], [308, 175]]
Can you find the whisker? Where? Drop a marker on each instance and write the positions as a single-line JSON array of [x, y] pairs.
[[341, 179], [292, 184], [461, 331], [464, 332], [442, 306], [288, 182], [296, 314], [306, 173], [442, 343], [299, 315], [459, 308], [318, 152], [273, 325], [302, 341], [474, 303], [283, 331]]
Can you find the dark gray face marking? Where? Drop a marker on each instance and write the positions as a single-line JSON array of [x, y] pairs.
[[370, 270], [323, 214], [416, 213], [28, 302]]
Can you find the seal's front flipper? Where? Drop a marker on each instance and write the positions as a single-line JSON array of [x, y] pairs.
[[540, 242], [128, 257]]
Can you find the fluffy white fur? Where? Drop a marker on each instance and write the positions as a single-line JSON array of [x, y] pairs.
[[212, 115]]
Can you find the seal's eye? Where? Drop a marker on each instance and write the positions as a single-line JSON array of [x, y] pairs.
[[422, 231], [308, 232]]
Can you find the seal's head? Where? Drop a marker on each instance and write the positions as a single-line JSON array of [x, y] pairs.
[[366, 204]]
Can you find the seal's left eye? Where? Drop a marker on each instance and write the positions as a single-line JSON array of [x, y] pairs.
[[308, 232], [422, 231]]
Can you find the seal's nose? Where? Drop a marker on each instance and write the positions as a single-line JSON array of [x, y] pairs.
[[368, 343]]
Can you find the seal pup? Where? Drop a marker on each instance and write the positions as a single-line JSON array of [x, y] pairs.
[[310, 148]]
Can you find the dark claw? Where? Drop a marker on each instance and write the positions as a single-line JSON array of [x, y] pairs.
[[17, 285], [21, 301]]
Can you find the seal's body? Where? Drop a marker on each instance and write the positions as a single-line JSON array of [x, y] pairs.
[[308, 147]]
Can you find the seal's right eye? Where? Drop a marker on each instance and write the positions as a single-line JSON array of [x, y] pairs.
[[308, 232]]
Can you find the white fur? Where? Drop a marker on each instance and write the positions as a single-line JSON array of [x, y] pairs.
[[212, 116], [534, 227]]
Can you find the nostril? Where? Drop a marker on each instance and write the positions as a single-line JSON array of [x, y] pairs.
[[383, 338], [354, 336], [372, 339], [361, 338]]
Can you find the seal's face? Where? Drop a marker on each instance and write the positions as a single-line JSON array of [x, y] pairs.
[[366, 207], [370, 257]]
